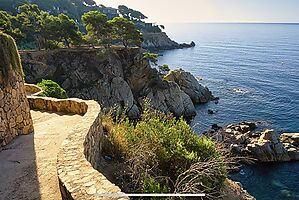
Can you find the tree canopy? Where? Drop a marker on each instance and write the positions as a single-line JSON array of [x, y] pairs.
[[126, 31], [131, 14], [96, 25], [35, 28]]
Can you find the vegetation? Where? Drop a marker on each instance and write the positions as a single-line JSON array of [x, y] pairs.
[[152, 57], [138, 18], [161, 153], [125, 30], [164, 69], [9, 57], [131, 14], [97, 27], [34, 28], [73, 8], [62, 29], [52, 89]]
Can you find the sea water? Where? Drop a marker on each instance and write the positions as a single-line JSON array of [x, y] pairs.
[[254, 70]]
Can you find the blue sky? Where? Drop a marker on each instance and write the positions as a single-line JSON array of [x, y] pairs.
[[214, 10]]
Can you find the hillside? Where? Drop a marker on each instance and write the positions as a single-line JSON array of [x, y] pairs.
[[73, 8], [154, 38]]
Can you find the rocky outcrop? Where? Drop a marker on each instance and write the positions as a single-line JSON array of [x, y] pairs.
[[291, 143], [15, 118], [234, 191], [160, 41], [268, 147], [118, 77], [188, 83], [265, 146]]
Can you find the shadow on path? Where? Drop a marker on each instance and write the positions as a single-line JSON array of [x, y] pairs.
[[28, 164]]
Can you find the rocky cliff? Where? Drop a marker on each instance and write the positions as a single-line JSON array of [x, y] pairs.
[[114, 77], [160, 41]]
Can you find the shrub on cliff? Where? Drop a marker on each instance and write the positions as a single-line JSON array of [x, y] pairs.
[[159, 150], [52, 89]]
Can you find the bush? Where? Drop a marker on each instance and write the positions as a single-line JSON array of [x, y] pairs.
[[152, 57], [159, 145], [52, 89]]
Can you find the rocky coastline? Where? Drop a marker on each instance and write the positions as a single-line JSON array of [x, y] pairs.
[[117, 77], [160, 41], [265, 146]]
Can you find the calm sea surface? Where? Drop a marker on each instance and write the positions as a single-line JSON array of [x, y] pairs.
[[254, 69]]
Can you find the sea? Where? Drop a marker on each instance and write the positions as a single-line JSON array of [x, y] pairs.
[[254, 69]]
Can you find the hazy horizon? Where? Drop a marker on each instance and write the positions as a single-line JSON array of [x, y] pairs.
[[214, 11]]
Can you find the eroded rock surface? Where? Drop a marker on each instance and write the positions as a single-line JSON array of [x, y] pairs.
[[191, 86], [119, 77], [161, 41]]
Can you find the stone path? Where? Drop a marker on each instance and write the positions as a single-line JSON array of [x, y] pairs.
[[28, 164]]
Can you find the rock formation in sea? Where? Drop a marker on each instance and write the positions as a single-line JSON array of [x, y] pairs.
[[160, 41], [114, 77], [265, 146], [190, 85]]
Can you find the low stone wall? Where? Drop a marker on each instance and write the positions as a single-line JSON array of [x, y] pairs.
[[80, 152], [75, 106], [32, 90], [78, 159]]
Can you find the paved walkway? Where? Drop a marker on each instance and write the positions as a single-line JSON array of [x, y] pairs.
[[28, 164]]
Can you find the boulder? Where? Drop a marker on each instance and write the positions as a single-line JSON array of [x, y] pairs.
[[188, 83], [171, 99], [211, 112], [270, 135], [240, 139], [292, 138], [268, 148]]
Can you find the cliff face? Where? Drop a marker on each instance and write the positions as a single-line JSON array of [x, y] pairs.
[[160, 41], [119, 77]]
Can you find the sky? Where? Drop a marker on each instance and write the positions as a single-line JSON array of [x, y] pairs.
[[176, 11]]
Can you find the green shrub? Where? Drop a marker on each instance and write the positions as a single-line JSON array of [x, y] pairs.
[[152, 57], [52, 89], [159, 145], [150, 185]]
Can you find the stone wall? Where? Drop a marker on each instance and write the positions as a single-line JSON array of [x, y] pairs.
[[78, 158], [80, 152], [75, 106], [15, 118]]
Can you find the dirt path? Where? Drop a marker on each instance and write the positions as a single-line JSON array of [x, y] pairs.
[[28, 164]]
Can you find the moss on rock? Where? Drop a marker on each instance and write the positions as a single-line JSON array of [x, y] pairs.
[[9, 56]]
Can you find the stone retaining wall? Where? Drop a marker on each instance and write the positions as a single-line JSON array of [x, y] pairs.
[[15, 118], [80, 152]]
